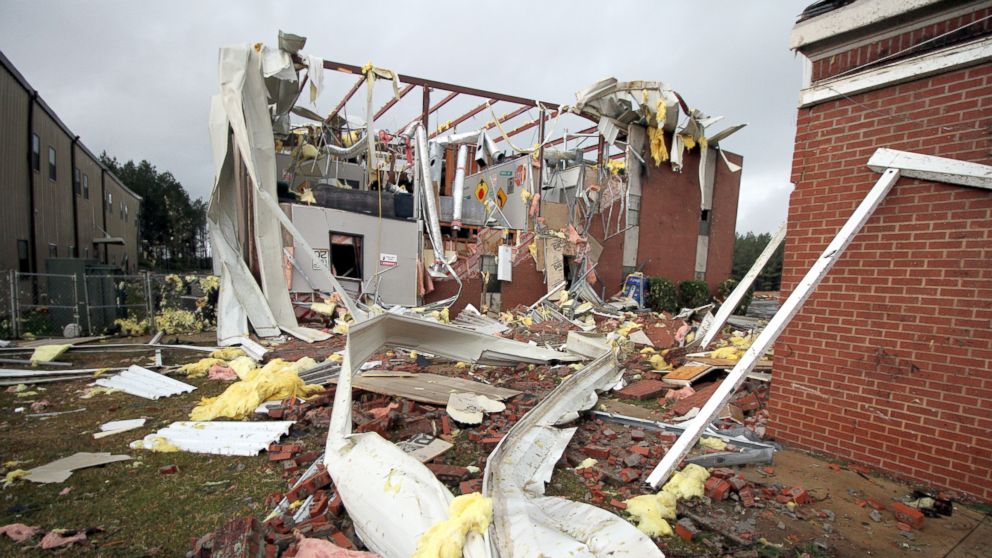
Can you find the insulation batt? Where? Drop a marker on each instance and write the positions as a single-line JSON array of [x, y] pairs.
[[468, 512], [652, 510], [278, 379]]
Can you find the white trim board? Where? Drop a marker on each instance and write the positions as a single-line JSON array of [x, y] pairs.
[[952, 58], [854, 16], [934, 169]]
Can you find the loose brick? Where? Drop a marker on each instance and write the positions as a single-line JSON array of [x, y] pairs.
[[469, 486], [643, 389], [597, 452], [716, 488], [629, 474], [907, 514], [686, 529], [447, 472]]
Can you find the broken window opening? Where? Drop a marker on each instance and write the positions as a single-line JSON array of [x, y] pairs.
[[489, 272], [346, 255], [569, 263], [704, 222]]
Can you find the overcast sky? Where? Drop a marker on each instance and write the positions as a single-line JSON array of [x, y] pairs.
[[134, 78]]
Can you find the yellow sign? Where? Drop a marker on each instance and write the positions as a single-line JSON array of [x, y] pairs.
[[500, 197], [481, 191]]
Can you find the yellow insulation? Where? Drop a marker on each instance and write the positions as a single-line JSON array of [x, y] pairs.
[[466, 513], [199, 368], [659, 151], [278, 379], [227, 353], [652, 510], [48, 353]]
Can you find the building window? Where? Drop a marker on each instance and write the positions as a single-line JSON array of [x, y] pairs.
[[346, 255], [86, 186], [77, 181], [122, 210], [53, 251], [110, 202], [52, 169], [35, 153], [125, 213], [23, 261]]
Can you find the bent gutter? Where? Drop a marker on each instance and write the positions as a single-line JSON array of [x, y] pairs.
[[427, 192], [32, 241], [458, 188], [526, 522], [75, 203]]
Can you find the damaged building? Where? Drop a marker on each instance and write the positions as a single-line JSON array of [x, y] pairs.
[[643, 186]]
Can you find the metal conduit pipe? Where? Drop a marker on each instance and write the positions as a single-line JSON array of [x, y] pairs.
[[356, 149], [427, 193], [458, 188]]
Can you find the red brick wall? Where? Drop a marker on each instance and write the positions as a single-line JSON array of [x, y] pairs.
[[670, 215], [951, 31], [889, 364]]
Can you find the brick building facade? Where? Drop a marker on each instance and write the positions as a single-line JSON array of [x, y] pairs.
[[889, 364]]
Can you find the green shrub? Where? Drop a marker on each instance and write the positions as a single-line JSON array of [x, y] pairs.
[[662, 295], [728, 287], [693, 294]]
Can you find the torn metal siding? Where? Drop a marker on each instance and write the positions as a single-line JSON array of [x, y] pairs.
[[145, 383], [391, 497], [525, 522], [219, 437]]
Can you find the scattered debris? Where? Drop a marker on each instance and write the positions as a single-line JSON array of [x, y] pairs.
[[145, 383], [215, 437], [62, 469]]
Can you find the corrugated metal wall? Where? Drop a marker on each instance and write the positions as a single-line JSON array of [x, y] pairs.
[[122, 221], [88, 209], [53, 198], [14, 222]]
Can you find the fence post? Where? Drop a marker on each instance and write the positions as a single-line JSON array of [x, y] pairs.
[[75, 301], [13, 305], [86, 305], [149, 302]]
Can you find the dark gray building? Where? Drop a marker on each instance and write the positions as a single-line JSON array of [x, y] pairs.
[[58, 200]]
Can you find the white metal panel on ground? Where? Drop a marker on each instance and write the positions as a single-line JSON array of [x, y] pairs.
[[219, 437], [145, 383]]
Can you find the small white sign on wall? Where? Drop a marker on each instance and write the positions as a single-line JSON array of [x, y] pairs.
[[321, 255], [388, 260]]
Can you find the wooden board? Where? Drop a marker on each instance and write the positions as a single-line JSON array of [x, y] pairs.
[[728, 363], [425, 388], [687, 374]]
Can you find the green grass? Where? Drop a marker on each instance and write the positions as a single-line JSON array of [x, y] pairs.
[[140, 510]]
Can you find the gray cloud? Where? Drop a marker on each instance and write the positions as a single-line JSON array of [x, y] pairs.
[[134, 79]]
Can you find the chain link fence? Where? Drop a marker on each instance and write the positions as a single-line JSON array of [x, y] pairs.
[[34, 305]]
